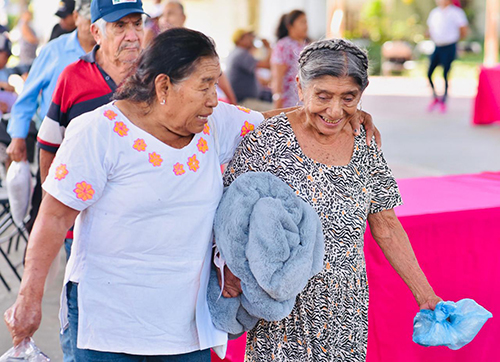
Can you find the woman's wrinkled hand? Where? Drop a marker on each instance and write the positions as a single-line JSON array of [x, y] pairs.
[[22, 319], [232, 285], [362, 118], [429, 302]]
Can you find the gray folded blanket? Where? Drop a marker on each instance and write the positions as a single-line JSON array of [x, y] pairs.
[[270, 239]]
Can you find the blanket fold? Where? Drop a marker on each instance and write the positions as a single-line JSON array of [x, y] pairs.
[[272, 241]]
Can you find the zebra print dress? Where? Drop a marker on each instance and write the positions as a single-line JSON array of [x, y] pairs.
[[329, 321]]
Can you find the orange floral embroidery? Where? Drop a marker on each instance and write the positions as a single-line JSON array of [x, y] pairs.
[[193, 163], [246, 110], [206, 129], [84, 191], [247, 127], [155, 159], [179, 169], [121, 129], [61, 172], [140, 145], [109, 114], [202, 145]]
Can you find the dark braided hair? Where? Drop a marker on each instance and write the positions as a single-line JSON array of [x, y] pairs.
[[175, 53], [334, 57]]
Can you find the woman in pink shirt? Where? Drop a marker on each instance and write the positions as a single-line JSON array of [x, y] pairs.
[[292, 38]]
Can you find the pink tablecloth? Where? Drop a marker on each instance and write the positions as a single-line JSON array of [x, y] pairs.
[[454, 225], [487, 103]]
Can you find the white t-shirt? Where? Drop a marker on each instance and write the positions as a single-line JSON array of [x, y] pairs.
[[444, 24], [142, 247]]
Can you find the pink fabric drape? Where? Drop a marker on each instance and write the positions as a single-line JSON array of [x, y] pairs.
[[487, 102], [454, 226]]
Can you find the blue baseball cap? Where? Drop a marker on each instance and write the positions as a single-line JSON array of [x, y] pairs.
[[113, 10]]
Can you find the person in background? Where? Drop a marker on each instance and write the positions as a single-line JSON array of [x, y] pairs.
[[28, 41], [37, 92], [67, 22], [447, 24], [151, 26], [173, 16], [7, 92], [91, 81], [241, 70], [170, 16], [292, 38]]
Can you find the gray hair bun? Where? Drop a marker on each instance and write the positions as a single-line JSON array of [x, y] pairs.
[[340, 45]]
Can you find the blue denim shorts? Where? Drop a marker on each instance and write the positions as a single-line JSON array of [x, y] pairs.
[[87, 355]]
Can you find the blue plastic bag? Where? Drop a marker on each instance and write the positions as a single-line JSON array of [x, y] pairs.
[[451, 324]]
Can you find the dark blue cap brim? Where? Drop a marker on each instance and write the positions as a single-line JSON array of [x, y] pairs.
[[118, 14]]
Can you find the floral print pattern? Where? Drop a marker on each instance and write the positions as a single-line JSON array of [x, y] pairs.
[[206, 129], [84, 191], [109, 114], [286, 52], [179, 169], [243, 109], [140, 145], [193, 163], [155, 159], [247, 127], [61, 172], [121, 129], [202, 145]]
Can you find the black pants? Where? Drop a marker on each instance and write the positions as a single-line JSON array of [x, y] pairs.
[[443, 55]]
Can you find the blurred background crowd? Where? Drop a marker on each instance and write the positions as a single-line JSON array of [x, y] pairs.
[[246, 32]]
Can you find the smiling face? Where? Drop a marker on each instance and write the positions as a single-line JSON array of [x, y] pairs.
[[189, 103], [329, 102]]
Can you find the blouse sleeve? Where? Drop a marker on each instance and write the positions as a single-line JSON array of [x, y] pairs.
[[78, 174], [231, 124], [384, 189], [255, 153]]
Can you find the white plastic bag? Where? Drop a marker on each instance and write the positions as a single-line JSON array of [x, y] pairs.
[[25, 351], [18, 182]]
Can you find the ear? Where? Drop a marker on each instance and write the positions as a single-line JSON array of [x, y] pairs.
[[299, 89], [96, 33], [163, 87]]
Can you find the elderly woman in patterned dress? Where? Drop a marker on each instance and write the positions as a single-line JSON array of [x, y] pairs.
[[314, 151]]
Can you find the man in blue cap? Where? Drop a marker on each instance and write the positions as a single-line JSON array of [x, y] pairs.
[[117, 27]]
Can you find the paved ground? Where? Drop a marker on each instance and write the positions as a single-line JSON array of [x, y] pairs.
[[415, 144]]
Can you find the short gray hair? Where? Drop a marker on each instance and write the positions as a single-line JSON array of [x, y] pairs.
[[101, 25], [334, 57]]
